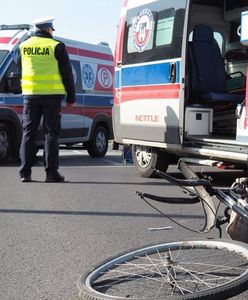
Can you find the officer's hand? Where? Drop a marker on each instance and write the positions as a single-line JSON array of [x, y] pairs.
[[69, 104]]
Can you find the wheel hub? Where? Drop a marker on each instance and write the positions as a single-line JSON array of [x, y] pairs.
[[143, 157], [100, 142]]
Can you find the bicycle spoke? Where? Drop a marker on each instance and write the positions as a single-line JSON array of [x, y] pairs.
[[193, 274], [163, 271], [156, 267]]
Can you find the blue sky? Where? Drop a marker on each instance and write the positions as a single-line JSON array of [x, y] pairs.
[[85, 20]]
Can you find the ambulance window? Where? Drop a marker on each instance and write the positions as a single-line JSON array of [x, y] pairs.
[[3, 54], [154, 31], [13, 68], [130, 43], [12, 79], [165, 27]]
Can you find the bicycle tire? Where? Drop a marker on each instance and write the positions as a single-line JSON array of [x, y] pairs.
[[98, 285]]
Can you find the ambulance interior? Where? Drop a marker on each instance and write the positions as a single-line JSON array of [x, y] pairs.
[[216, 66]]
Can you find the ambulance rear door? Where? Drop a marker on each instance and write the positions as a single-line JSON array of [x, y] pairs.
[[148, 77]]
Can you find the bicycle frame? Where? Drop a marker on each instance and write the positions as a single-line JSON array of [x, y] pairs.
[[188, 269], [235, 205], [205, 192]]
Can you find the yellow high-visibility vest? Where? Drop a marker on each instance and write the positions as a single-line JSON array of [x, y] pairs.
[[40, 72]]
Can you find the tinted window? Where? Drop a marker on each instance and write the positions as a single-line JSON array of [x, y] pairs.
[[165, 25], [144, 24], [154, 32], [232, 4], [3, 54]]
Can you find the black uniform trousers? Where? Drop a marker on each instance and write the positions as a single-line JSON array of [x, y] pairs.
[[34, 108]]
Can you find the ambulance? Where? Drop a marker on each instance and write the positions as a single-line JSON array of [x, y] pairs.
[[88, 123], [181, 82]]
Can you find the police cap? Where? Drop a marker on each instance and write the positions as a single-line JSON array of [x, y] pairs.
[[44, 23]]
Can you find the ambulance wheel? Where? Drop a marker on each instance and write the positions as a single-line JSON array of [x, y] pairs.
[[5, 142], [146, 159], [98, 145]]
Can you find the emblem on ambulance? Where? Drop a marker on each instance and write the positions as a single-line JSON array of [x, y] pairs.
[[142, 30], [88, 76], [105, 78]]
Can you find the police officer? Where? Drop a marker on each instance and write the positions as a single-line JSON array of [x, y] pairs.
[[46, 78]]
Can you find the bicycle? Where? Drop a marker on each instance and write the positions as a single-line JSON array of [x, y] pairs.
[[190, 269]]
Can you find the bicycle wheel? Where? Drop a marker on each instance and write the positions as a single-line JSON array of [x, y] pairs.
[[206, 269]]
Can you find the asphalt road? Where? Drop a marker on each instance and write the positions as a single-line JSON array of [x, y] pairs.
[[52, 233]]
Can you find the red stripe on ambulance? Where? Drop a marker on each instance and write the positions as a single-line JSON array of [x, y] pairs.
[[4, 40], [150, 92], [89, 53]]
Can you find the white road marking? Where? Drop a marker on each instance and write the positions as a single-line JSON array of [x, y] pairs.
[[84, 153]]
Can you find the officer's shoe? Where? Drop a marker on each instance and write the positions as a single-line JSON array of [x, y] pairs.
[[26, 178], [54, 177]]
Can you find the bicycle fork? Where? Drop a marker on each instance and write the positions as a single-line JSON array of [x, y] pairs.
[[206, 200]]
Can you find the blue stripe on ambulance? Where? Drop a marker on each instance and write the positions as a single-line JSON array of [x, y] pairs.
[[16, 100], [92, 100], [87, 100], [148, 74]]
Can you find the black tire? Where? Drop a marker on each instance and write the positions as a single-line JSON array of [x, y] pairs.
[[146, 159], [206, 269], [5, 142], [98, 145]]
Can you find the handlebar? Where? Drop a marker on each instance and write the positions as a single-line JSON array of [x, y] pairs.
[[192, 182], [231, 198]]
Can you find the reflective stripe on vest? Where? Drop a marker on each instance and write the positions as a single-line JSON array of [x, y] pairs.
[[40, 72]]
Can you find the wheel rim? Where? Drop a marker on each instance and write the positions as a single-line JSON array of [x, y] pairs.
[[101, 142], [168, 270], [4, 143], [143, 156]]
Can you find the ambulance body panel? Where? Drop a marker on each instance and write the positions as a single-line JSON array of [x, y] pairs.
[[91, 116], [155, 110]]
